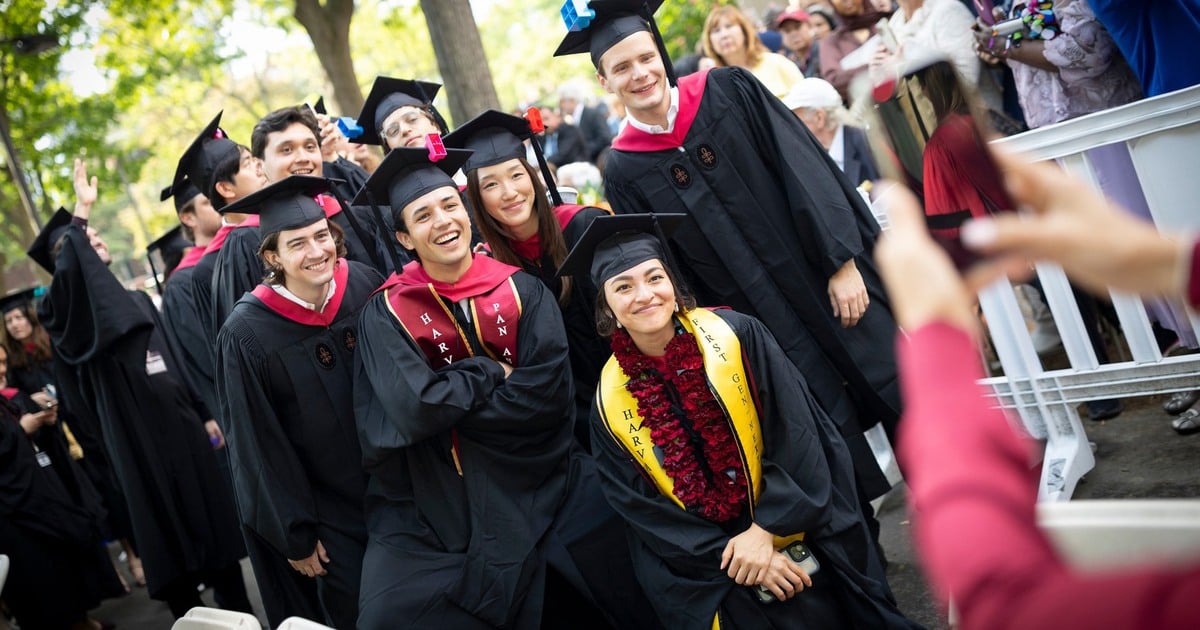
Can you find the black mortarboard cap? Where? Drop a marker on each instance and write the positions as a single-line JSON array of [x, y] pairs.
[[201, 158], [615, 20], [319, 106], [611, 244], [389, 94], [165, 253], [181, 191], [493, 137], [19, 298], [288, 204], [42, 249], [406, 174], [170, 242]]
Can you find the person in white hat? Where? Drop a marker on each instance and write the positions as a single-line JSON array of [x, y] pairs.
[[819, 106]]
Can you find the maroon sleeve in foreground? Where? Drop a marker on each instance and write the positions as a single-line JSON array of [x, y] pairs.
[[972, 492]]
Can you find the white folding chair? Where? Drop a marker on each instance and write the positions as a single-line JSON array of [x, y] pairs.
[[1112, 533], [203, 618], [299, 623]]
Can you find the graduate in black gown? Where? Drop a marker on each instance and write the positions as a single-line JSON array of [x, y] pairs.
[[199, 223], [774, 229], [191, 314], [726, 470], [50, 517], [284, 378], [482, 510], [287, 142], [528, 226], [216, 281], [400, 113], [159, 435], [31, 369]]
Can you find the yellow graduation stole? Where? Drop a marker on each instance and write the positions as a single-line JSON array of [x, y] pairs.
[[726, 374]]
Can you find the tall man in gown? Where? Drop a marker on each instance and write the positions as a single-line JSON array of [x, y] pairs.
[[775, 230], [285, 359]]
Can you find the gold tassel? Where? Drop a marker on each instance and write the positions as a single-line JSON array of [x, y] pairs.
[[73, 446]]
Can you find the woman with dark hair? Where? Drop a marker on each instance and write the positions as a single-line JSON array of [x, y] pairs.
[[737, 489], [525, 228], [731, 40], [31, 370], [30, 361], [49, 519]]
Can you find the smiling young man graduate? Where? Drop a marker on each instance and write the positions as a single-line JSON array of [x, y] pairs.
[[482, 510], [287, 142], [774, 230], [115, 359], [285, 358]]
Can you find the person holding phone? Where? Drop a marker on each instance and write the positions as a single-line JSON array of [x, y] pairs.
[[967, 469], [50, 516], [736, 487]]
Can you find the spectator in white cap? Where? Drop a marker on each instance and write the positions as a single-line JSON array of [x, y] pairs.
[[817, 103]]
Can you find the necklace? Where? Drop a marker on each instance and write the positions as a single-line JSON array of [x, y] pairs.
[[687, 424]]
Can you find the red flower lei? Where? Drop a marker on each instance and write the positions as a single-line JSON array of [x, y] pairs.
[[700, 454]]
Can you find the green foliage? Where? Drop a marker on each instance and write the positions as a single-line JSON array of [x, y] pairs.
[[682, 23], [132, 82]]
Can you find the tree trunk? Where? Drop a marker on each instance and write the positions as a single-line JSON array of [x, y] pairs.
[[460, 58], [328, 27]]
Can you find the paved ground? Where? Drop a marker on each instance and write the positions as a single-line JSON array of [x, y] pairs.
[[1139, 456]]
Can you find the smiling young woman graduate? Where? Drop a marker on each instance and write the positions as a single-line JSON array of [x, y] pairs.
[[285, 361], [714, 451], [527, 226], [481, 508], [774, 228]]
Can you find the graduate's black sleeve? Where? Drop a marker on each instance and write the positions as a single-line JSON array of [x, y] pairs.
[[796, 490], [677, 555], [181, 326], [824, 205], [86, 310], [237, 272], [274, 496], [412, 401], [186, 379]]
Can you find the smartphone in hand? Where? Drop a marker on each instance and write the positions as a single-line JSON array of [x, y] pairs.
[[928, 130]]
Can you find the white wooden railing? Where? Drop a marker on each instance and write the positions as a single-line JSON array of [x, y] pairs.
[[1162, 135]]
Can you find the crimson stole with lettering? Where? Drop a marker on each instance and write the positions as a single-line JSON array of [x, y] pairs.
[[415, 299]]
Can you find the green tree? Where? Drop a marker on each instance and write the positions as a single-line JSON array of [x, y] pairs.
[[682, 24]]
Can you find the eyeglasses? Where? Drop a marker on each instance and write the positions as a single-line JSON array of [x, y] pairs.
[[407, 120]]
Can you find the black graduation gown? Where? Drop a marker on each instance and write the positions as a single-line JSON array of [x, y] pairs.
[[286, 392], [49, 527], [236, 271], [587, 349], [183, 517], [84, 425], [181, 315], [807, 486], [772, 218], [350, 176], [472, 551], [198, 343]]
